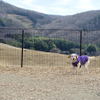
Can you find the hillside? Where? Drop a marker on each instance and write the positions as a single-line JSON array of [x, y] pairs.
[[11, 56], [11, 16]]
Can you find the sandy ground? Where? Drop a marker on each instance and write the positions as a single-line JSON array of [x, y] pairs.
[[48, 83]]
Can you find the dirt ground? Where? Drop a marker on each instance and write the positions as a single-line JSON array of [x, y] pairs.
[[48, 83]]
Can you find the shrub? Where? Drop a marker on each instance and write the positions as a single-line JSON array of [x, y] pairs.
[[91, 48], [15, 43], [40, 45], [55, 50]]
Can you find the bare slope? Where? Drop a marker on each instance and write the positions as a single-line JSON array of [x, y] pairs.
[[11, 16]]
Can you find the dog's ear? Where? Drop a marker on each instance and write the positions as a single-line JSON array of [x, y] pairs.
[[69, 56], [76, 56]]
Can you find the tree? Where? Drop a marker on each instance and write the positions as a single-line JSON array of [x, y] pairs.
[[15, 43], [51, 45], [2, 22], [40, 45], [91, 48], [28, 44], [62, 44], [71, 51]]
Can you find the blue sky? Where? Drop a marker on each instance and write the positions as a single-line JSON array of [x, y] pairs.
[[57, 7]]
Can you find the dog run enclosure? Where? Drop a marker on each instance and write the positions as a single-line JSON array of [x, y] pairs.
[[17, 46]]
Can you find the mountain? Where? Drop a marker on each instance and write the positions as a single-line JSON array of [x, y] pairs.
[[12, 16]]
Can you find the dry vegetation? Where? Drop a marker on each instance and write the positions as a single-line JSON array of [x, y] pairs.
[[85, 20], [21, 19], [45, 76]]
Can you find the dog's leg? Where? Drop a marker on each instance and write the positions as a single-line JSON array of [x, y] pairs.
[[73, 70], [86, 67], [81, 69], [77, 69]]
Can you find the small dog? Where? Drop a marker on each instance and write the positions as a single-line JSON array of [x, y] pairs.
[[78, 61]]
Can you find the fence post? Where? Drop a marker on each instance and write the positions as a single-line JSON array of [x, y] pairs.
[[22, 48], [80, 42]]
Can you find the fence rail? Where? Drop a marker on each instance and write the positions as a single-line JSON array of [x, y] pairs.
[[65, 41]]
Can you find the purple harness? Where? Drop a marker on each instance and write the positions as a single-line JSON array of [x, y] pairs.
[[82, 59]]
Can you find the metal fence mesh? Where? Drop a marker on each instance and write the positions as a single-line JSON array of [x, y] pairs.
[[36, 47], [10, 53]]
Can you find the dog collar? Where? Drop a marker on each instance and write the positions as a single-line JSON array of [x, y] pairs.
[[75, 64]]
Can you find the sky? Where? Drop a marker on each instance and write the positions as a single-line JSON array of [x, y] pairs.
[[57, 7]]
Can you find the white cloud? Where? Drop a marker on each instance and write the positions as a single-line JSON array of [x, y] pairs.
[[59, 7], [27, 2], [64, 2], [86, 5], [47, 6]]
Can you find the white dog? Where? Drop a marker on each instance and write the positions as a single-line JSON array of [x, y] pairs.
[[78, 61]]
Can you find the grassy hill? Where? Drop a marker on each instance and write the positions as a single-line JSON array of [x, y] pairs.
[[11, 56], [12, 16]]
